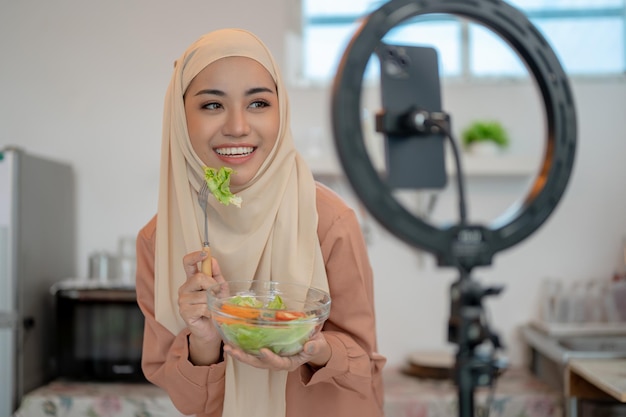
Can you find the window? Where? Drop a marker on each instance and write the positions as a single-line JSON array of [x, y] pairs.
[[588, 36]]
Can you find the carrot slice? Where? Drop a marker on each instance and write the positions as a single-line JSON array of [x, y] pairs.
[[239, 311]]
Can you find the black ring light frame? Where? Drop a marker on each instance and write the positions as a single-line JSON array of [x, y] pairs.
[[458, 245], [446, 243]]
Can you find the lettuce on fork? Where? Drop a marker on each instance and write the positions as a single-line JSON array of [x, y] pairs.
[[219, 184]]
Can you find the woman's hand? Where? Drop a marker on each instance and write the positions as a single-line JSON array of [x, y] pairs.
[[316, 352], [204, 340]]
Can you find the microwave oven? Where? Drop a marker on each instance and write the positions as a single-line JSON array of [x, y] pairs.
[[99, 334]]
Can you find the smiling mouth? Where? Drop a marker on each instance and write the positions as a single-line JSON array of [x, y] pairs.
[[239, 151]]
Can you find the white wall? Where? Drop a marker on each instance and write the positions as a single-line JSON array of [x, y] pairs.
[[84, 82]]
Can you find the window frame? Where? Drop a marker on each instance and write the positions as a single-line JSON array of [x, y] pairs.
[[466, 74]]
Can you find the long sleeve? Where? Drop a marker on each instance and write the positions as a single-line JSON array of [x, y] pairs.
[[193, 389], [351, 382]]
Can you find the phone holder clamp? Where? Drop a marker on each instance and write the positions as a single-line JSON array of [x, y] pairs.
[[415, 121]]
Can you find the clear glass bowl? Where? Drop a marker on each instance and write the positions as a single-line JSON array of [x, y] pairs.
[[245, 315]]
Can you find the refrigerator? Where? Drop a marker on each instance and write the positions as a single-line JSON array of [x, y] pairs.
[[37, 249]]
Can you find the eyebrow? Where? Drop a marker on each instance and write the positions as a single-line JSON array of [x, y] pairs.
[[249, 92]]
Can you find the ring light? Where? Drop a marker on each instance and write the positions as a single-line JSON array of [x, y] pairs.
[[461, 245]]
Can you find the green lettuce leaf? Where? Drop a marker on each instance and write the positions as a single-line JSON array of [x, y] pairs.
[[219, 184], [276, 303], [246, 301], [284, 340]]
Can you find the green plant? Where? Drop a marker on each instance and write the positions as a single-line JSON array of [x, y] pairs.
[[485, 131]]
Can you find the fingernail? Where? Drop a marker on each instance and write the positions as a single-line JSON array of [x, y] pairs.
[[309, 349]]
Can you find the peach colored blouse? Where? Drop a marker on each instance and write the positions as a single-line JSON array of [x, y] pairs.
[[351, 382]]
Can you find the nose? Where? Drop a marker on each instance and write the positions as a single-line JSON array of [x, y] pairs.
[[236, 123]]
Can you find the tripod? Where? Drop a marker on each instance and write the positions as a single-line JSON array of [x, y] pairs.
[[468, 329]]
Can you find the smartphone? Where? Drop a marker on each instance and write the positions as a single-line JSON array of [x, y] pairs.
[[409, 78]]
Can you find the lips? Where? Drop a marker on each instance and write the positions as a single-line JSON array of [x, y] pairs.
[[235, 151]]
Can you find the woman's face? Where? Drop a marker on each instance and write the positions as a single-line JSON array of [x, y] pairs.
[[232, 114]]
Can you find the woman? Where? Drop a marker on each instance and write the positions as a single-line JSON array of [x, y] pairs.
[[226, 105]]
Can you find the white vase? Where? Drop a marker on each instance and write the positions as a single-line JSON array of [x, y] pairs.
[[484, 148]]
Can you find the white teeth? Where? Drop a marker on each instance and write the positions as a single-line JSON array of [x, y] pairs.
[[236, 151]]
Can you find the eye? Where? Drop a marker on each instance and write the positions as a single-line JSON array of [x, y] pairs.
[[259, 104], [212, 106]]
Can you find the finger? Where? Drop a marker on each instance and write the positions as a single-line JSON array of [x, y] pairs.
[[317, 350], [286, 363], [266, 359], [217, 272], [194, 284], [310, 348], [241, 356], [192, 312], [191, 260], [192, 297], [220, 291]]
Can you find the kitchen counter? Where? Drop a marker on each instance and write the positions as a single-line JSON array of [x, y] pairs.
[[80, 399], [586, 363], [603, 379], [517, 394]]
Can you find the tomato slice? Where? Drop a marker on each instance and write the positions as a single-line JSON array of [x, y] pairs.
[[289, 315]]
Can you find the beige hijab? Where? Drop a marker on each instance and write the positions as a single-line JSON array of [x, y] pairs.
[[273, 236]]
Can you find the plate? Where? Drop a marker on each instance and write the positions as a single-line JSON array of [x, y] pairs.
[[430, 364]]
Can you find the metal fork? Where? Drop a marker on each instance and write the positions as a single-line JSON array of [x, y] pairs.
[[203, 199]]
